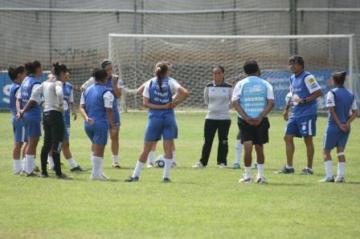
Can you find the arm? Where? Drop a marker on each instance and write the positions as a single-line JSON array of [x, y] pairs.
[[109, 114], [149, 105], [343, 127], [82, 109], [115, 87], [87, 83], [241, 112], [206, 95], [59, 94], [140, 90], [72, 105], [354, 112], [34, 99], [180, 96]]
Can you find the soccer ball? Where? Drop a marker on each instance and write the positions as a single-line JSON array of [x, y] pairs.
[[160, 162]]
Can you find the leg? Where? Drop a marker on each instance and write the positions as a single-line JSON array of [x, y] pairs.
[[114, 136], [46, 146], [57, 136], [290, 149], [260, 158], [209, 133], [16, 157], [309, 150], [223, 132], [328, 164], [168, 157], [341, 164], [141, 161], [66, 149], [248, 146]]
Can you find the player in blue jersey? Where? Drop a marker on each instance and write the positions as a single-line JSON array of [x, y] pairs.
[[96, 107], [69, 109], [253, 99], [161, 95], [32, 117], [342, 107], [302, 123], [17, 75], [115, 85]]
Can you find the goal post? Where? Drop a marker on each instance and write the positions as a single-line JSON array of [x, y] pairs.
[[193, 56]]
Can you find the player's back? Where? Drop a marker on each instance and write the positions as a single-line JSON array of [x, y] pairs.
[[25, 92], [343, 101], [94, 102]]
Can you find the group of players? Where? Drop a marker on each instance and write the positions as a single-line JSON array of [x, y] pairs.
[[252, 98]]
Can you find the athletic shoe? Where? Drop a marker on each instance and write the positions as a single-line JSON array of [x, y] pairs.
[[327, 180], [116, 165], [245, 180], [222, 165], [307, 171], [286, 170], [150, 165], [131, 179], [63, 176], [198, 165], [166, 180], [104, 176], [339, 179], [43, 175], [260, 180], [76, 169], [236, 166]]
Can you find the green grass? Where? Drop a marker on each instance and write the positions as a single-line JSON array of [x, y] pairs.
[[205, 203]]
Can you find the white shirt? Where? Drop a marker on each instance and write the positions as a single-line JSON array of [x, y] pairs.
[[108, 99], [311, 84], [174, 87], [52, 93], [238, 90]]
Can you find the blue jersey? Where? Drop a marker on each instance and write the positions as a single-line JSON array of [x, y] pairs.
[[94, 102], [67, 92], [13, 90], [253, 94], [25, 92], [342, 99], [302, 86], [160, 97]]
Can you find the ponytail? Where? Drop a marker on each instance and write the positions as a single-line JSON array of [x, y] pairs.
[[161, 70], [59, 68]]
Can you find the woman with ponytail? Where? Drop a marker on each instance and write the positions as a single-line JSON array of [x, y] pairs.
[[161, 95]]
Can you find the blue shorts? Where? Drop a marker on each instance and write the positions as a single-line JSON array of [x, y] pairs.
[[19, 131], [98, 132], [67, 118], [116, 118], [161, 126], [66, 133], [302, 126], [334, 137], [32, 126]]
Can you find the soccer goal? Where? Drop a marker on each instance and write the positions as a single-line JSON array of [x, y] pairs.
[[193, 57]]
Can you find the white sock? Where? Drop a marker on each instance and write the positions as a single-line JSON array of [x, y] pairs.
[[23, 163], [72, 163], [50, 161], [29, 163], [33, 163], [328, 169], [174, 156], [115, 158], [260, 168], [247, 172], [341, 169], [287, 166], [238, 150], [96, 166], [167, 167], [17, 166], [151, 157], [138, 167]]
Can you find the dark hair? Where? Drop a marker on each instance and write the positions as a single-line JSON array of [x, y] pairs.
[[161, 69], [219, 67], [297, 60], [251, 67], [99, 74], [59, 68], [31, 67], [339, 77], [105, 63], [13, 72]]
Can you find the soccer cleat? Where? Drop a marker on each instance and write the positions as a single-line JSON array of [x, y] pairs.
[[286, 170], [77, 169], [198, 165], [166, 180], [307, 171], [339, 179], [327, 180], [32, 174], [132, 179], [260, 180], [222, 165], [236, 166], [116, 165], [63, 176], [44, 175], [245, 180]]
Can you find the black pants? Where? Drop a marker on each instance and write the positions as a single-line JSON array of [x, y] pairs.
[[210, 128], [54, 127]]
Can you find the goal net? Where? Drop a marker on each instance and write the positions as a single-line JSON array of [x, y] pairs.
[[193, 57]]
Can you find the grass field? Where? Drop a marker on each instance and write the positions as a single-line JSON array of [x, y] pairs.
[[206, 203]]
